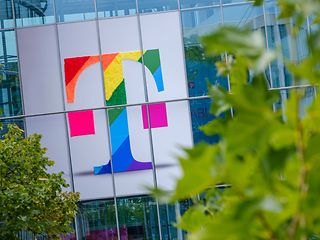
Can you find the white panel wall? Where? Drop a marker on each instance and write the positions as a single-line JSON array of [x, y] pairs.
[[54, 138], [40, 70], [78, 40], [163, 32], [44, 91]]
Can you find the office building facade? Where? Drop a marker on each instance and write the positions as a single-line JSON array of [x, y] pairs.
[[118, 88]]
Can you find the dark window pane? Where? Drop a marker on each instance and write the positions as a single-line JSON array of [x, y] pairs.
[[97, 220], [201, 69], [113, 8], [6, 15], [146, 6], [200, 115], [138, 218], [167, 219], [10, 97], [4, 123], [75, 10], [33, 12]]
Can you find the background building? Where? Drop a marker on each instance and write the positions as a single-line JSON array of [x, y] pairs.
[[81, 73]]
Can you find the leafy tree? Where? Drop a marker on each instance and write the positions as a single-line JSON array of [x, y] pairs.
[[271, 160], [30, 198]]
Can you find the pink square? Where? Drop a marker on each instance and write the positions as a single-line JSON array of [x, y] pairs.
[[157, 113], [81, 123]]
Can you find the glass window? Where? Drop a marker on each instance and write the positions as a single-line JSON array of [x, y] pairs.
[[200, 68], [200, 115], [302, 50], [147, 6], [197, 23], [244, 15], [279, 36], [10, 98], [5, 123], [308, 96], [6, 15], [97, 220], [114, 8], [75, 10], [233, 1], [198, 3], [167, 219], [138, 218], [314, 26], [34, 12]]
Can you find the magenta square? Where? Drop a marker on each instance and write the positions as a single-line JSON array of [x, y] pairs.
[[81, 123], [158, 115]]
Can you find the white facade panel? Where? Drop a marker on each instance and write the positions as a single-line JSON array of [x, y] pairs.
[[40, 70]]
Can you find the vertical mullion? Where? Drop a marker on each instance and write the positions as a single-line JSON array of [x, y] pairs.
[[64, 108], [148, 117]]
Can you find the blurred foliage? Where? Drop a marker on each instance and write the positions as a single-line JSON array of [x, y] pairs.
[[31, 199], [269, 157]]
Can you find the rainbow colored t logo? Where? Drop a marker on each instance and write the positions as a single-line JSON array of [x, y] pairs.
[[82, 122]]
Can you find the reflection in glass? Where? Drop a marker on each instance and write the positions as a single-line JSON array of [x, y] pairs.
[[75, 10], [314, 25], [200, 115], [279, 35], [198, 23], [167, 219], [33, 12], [308, 95], [302, 50], [6, 14], [244, 15], [138, 218], [200, 68], [97, 220], [4, 123], [114, 8], [198, 3], [147, 6], [10, 98]]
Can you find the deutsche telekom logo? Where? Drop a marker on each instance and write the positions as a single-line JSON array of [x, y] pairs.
[[82, 122]]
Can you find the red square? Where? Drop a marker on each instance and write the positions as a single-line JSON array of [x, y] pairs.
[[81, 123]]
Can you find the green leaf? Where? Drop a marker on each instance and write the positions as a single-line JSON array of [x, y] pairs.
[[197, 172]]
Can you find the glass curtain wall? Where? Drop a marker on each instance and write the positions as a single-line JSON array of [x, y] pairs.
[[10, 97], [6, 14]]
